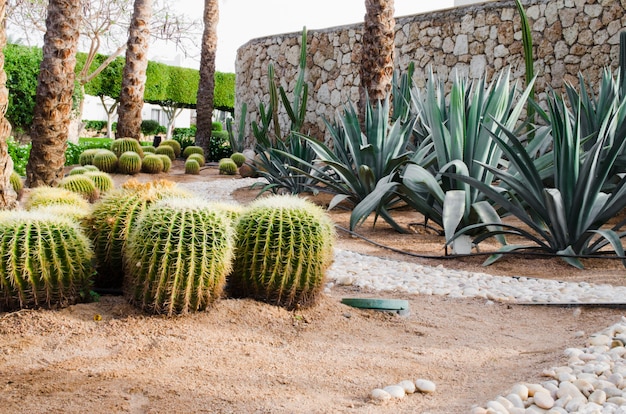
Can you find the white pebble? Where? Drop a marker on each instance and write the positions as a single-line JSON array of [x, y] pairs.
[[395, 391], [380, 395], [544, 400], [408, 386], [425, 386]]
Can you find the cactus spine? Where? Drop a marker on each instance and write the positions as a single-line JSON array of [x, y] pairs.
[[178, 257], [175, 146], [105, 160], [152, 164], [122, 145], [46, 261], [227, 166], [192, 149], [284, 246], [129, 163], [166, 150], [82, 185], [192, 167]]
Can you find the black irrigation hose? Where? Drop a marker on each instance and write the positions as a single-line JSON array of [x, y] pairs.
[[458, 256]]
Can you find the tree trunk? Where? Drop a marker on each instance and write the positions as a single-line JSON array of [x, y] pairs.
[[8, 198], [377, 51], [134, 80], [206, 87], [55, 87]]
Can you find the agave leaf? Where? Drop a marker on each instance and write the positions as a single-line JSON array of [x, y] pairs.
[[488, 214], [371, 202], [453, 212], [415, 176], [614, 240], [556, 212], [504, 249], [572, 261], [336, 200]]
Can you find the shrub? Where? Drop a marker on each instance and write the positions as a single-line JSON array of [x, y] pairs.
[[95, 125], [112, 219], [105, 160], [197, 157], [284, 246], [238, 158], [178, 257], [82, 185], [122, 145], [227, 166], [102, 180], [175, 146], [193, 149], [129, 163], [73, 151], [167, 162], [45, 196], [19, 155], [219, 146], [216, 126], [192, 167], [152, 164], [150, 127], [46, 261], [185, 136], [166, 150]]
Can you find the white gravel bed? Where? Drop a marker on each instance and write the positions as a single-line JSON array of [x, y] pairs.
[[594, 381]]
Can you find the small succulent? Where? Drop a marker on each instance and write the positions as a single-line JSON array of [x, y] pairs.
[[227, 166], [284, 246], [192, 149], [129, 163], [152, 164], [175, 146], [166, 150], [105, 160], [192, 167], [122, 145], [81, 184], [178, 257]]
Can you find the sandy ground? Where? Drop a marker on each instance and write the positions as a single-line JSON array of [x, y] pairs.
[[248, 357]]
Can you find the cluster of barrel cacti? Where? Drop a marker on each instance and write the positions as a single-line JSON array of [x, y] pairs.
[[128, 156]]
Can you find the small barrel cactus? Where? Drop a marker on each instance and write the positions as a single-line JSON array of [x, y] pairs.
[[178, 257], [238, 158], [148, 148], [86, 157], [90, 167], [197, 157], [75, 213], [103, 181], [284, 246], [46, 261], [45, 196], [167, 162], [227, 166], [152, 164], [129, 163], [192, 167], [166, 150], [105, 160], [81, 184], [122, 145], [192, 149], [175, 146], [112, 219], [16, 183], [77, 171]]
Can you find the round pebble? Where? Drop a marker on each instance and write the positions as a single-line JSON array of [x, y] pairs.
[[380, 395], [425, 386], [408, 386], [395, 391]]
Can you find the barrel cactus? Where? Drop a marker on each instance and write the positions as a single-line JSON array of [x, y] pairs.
[[148, 148], [90, 167], [197, 157], [16, 183], [238, 158], [192, 149], [77, 171], [122, 145], [166, 150], [178, 257], [129, 163], [75, 213], [45, 196], [103, 181], [192, 167], [105, 160], [82, 185], [46, 261], [152, 164], [86, 157], [284, 246], [112, 218], [227, 166], [167, 162], [174, 144]]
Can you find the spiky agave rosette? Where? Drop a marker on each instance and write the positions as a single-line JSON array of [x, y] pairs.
[[178, 256], [112, 219], [46, 261], [284, 246]]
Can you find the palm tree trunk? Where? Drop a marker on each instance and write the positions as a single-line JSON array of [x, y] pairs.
[[377, 50], [8, 198], [55, 87], [206, 87], [134, 78]]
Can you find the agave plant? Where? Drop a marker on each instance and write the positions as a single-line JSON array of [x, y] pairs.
[[568, 219]]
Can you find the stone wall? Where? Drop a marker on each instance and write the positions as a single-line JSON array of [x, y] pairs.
[[569, 36]]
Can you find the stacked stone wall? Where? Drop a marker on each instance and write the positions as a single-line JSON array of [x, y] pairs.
[[569, 37]]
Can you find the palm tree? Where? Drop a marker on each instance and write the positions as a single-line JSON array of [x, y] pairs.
[[134, 78], [53, 101], [8, 198], [204, 101], [377, 50]]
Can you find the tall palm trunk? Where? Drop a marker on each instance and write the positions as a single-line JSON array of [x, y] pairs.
[[134, 78], [204, 101], [377, 51], [8, 198], [55, 87]]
